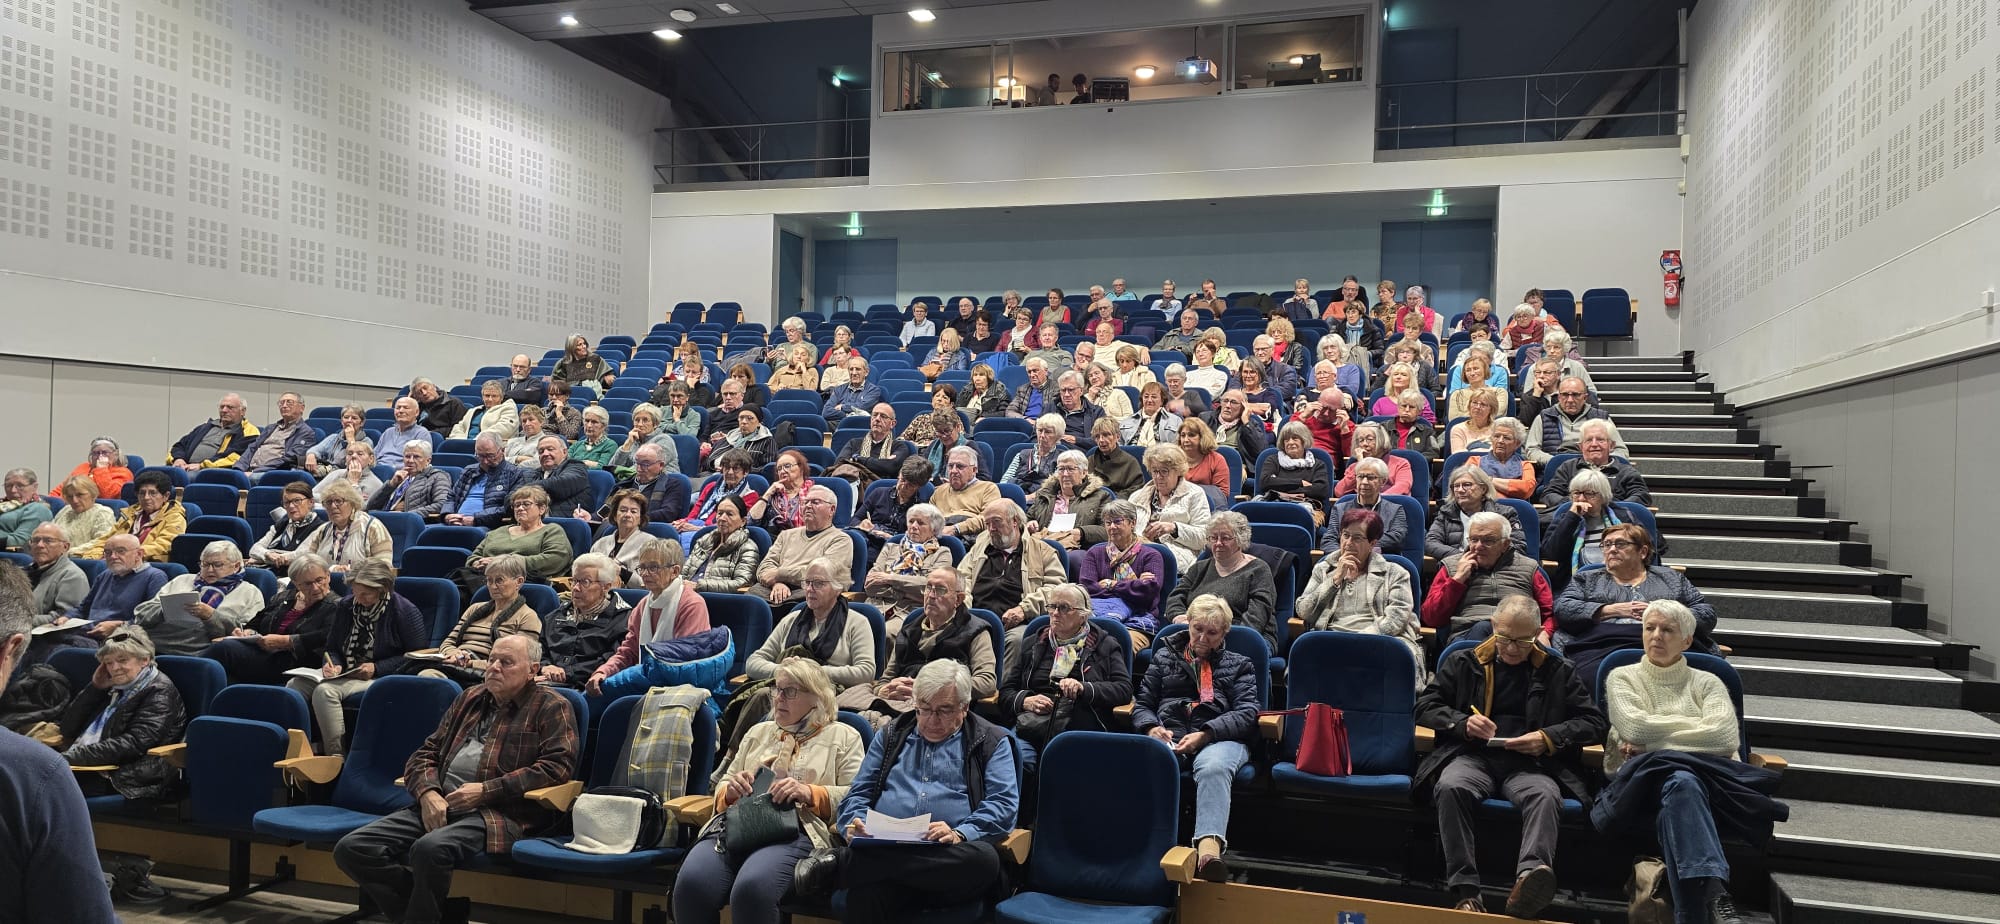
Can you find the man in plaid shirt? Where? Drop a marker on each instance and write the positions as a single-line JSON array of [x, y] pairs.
[[501, 739]]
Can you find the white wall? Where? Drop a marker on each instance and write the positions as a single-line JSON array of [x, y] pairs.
[[1841, 196], [354, 192], [56, 407], [716, 258], [1585, 235]]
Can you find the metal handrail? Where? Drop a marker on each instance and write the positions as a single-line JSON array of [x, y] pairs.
[[1492, 122], [1538, 94], [1585, 73], [735, 125]]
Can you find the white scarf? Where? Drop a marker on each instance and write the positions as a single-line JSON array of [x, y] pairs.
[[662, 628]]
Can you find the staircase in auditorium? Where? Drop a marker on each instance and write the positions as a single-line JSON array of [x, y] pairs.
[[1894, 784]]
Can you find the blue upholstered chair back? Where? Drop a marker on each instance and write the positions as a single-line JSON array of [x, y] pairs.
[[1372, 679]]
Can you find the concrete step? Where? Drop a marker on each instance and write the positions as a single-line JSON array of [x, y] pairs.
[[1937, 849], [1798, 898], [1835, 641], [1707, 572], [1792, 606], [1675, 420], [1892, 782], [1643, 393], [1769, 527], [1867, 683], [1643, 448], [1778, 723], [1721, 484], [1707, 502], [1676, 435], [1757, 549], [1647, 376], [1652, 466], [1619, 410]]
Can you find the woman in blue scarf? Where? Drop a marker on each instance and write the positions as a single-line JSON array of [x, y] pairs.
[[127, 709]]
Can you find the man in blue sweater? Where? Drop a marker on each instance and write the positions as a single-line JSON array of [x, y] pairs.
[[48, 867], [127, 582]]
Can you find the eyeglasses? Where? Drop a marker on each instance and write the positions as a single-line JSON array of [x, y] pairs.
[[1619, 544], [579, 582], [1064, 608], [939, 590], [817, 585], [1482, 541], [1569, 394], [778, 692], [939, 712], [1513, 642], [651, 567]]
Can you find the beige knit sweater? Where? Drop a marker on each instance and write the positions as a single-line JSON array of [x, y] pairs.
[[1674, 708]]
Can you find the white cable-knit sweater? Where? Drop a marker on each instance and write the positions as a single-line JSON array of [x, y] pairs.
[[1674, 708]]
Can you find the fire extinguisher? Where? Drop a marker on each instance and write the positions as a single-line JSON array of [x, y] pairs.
[[1670, 276]]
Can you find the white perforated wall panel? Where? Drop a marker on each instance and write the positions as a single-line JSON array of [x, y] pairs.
[[1842, 187], [373, 182]]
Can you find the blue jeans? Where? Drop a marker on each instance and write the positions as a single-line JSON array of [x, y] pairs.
[[1689, 845], [1215, 769]]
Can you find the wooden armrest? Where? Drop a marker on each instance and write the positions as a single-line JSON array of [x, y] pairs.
[[174, 754], [1550, 564], [1178, 864], [315, 769], [560, 583], [93, 768], [1271, 727], [1724, 650], [990, 699], [738, 681], [1016, 844], [297, 744], [1771, 762], [853, 596], [1680, 568], [1426, 739], [1318, 554], [558, 797], [1296, 626], [1427, 631], [692, 810], [1593, 757]]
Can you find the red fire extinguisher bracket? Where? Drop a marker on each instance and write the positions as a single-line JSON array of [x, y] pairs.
[[1670, 277]]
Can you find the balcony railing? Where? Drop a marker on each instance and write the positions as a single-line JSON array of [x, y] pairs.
[[1557, 106], [760, 151]]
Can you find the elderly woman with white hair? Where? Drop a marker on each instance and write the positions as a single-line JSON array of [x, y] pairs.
[[496, 414], [1371, 441], [1201, 698], [938, 759], [1231, 573], [813, 758], [1469, 491], [794, 329], [1172, 510], [289, 632], [1573, 538], [1370, 476], [1506, 462], [128, 708], [1071, 676], [895, 583], [1671, 752], [22, 508], [463, 656], [349, 535], [588, 627], [1122, 574], [1556, 345], [1067, 507], [594, 448], [646, 432], [221, 600]]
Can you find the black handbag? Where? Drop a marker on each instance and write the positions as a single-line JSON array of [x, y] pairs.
[[756, 822], [1037, 729], [652, 813]]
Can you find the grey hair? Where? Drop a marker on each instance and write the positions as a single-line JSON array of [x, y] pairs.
[[596, 561], [656, 451], [1590, 479], [598, 413], [507, 565], [418, 448], [129, 640], [793, 323], [1121, 510], [1478, 476], [942, 674], [1382, 443], [421, 380], [1070, 375], [305, 562], [1610, 429], [1489, 518], [1051, 420], [1174, 369], [1033, 362], [224, 549], [16, 616], [1077, 596], [1209, 608], [968, 451], [1373, 464], [1074, 455], [1556, 338], [1013, 510], [1513, 425], [1295, 429], [533, 643], [371, 572], [930, 515], [648, 407], [1683, 618], [492, 385], [488, 439], [27, 473], [1235, 522]]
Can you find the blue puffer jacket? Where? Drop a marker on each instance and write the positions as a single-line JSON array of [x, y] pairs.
[[1168, 696]]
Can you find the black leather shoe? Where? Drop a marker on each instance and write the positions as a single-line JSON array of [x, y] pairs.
[[1532, 892], [1722, 910], [816, 876]]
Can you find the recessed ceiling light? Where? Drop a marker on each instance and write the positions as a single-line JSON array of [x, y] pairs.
[[667, 34], [681, 15], [726, 8], [568, 20], [922, 15], [1145, 71], [1006, 81], [1296, 60]]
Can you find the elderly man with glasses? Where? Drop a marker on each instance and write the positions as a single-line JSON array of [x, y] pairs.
[[1512, 720], [1470, 585], [127, 582], [57, 583], [479, 496], [282, 445], [1561, 425], [783, 569], [215, 443], [666, 498]]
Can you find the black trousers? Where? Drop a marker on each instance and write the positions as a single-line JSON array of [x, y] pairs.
[[1478, 775], [246, 662], [886, 883], [404, 869]]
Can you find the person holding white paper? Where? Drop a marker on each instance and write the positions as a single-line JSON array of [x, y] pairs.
[[941, 760], [1512, 690], [289, 632], [815, 757], [368, 636], [195, 609], [1066, 508]]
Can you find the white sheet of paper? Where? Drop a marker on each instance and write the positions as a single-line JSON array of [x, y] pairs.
[[1062, 522], [177, 604], [890, 828], [52, 628]]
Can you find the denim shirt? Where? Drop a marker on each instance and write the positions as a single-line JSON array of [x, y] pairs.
[[929, 778]]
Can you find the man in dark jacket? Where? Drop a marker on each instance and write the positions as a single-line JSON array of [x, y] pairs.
[[666, 494], [479, 496], [566, 480], [1596, 441], [216, 443], [522, 386], [588, 627], [1561, 425], [437, 411], [1511, 721], [284, 444], [878, 450], [1202, 699]]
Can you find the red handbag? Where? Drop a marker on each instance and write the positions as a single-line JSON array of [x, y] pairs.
[[1323, 747]]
